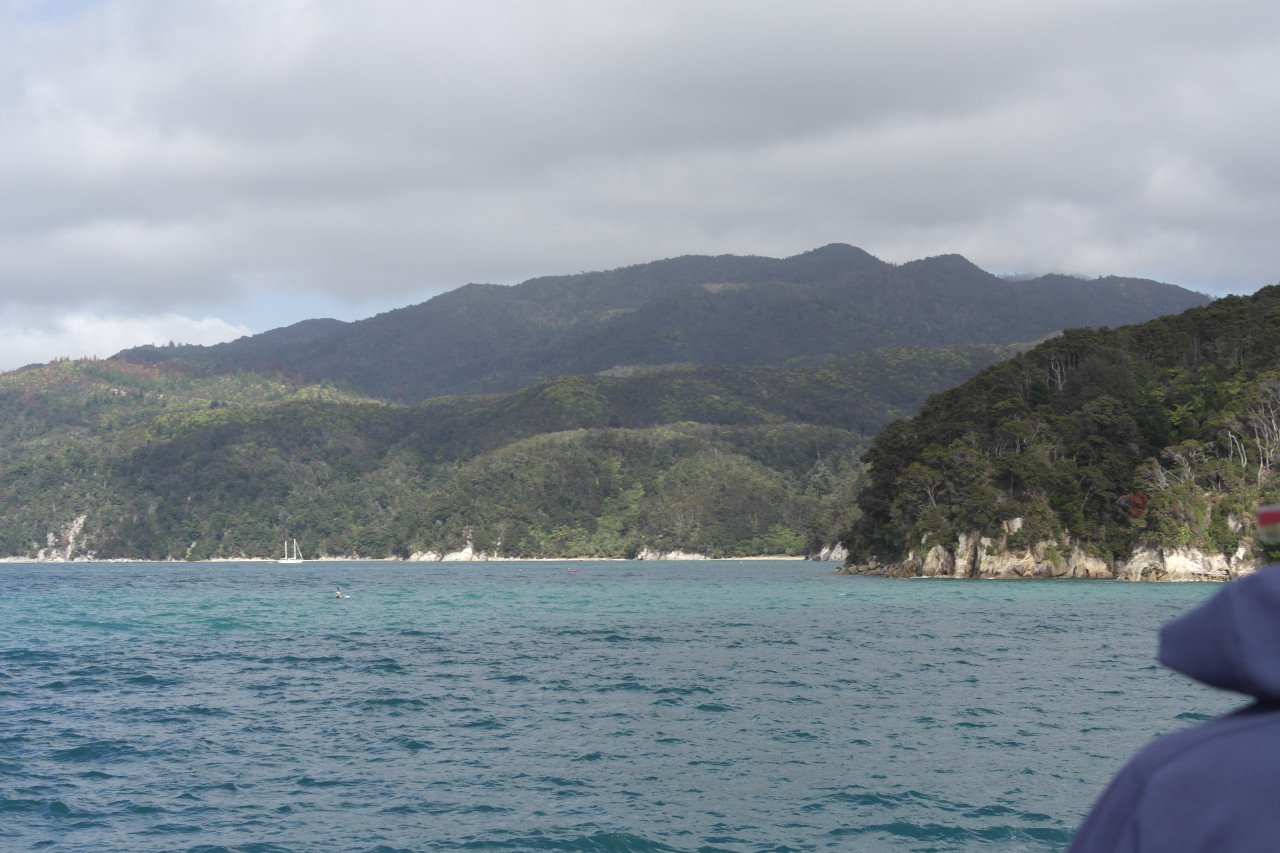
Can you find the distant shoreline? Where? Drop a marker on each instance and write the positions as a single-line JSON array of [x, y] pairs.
[[698, 559]]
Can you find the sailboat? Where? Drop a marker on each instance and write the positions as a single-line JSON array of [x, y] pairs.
[[295, 558]]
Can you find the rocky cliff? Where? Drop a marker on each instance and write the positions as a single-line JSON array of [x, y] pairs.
[[977, 556]]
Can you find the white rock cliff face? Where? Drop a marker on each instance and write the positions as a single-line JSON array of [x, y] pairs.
[[976, 556], [655, 554], [831, 554], [1186, 564], [467, 554], [61, 545]]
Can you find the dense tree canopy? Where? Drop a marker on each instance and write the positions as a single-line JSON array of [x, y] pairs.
[[164, 463], [728, 310], [1162, 433]]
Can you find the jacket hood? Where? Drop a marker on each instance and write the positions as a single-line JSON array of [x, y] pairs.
[[1231, 641]]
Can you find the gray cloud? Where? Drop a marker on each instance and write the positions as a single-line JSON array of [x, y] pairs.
[[159, 156]]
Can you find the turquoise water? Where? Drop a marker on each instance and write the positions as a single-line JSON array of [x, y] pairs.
[[754, 706]]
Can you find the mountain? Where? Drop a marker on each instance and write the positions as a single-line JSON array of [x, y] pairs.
[[727, 310], [1138, 452], [717, 405], [120, 460]]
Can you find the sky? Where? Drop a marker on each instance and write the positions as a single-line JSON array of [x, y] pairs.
[[200, 170]]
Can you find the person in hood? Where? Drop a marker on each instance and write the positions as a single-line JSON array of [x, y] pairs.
[[1214, 787]]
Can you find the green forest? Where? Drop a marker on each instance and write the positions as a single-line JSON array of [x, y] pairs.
[[1160, 434], [117, 460], [805, 310], [723, 406]]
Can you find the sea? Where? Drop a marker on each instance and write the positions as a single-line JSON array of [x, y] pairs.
[[620, 707]]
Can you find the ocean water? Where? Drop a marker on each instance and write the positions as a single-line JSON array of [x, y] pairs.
[[728, 706]]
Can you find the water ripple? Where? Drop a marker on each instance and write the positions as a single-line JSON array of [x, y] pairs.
[[694, 708]]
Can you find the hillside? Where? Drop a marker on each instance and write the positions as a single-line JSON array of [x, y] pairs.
[[728, 310], [119, 460], [1138, 452]]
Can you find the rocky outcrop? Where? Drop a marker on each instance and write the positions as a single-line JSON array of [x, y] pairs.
[[836, 553], [655, 554], [977, 556], [1186, 564], [467, 554], [61, 545]]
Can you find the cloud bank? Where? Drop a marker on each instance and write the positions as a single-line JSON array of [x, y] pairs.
[[186, 159], [85, 334]]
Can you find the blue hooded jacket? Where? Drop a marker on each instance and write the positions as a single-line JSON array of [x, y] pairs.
[[1215, 787]]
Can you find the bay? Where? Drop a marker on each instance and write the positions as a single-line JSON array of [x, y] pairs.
[[576, 706]]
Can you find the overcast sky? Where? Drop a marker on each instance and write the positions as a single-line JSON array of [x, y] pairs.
[[197, 170]]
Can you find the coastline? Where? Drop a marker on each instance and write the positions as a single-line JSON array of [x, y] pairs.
[[475, 559]]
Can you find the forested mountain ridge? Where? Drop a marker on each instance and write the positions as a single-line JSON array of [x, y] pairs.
[[1137, 452], [727, 310], [119, 460]]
